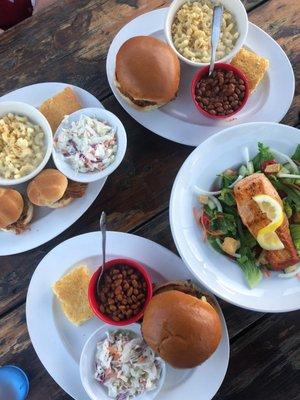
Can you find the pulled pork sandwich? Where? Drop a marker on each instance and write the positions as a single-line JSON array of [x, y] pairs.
[[147, 72], [52, 189], [181, 324], [16, 211]]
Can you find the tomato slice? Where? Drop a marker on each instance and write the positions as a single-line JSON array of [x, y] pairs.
[[266, 163], [205, 221]]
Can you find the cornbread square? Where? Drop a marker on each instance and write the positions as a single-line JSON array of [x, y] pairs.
[[60, 105], [253, 66], [72, 293]]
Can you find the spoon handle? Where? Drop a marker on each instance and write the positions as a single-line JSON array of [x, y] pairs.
[[103, 231], [215, 35]]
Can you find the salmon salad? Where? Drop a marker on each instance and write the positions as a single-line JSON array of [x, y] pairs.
[[252, 214]]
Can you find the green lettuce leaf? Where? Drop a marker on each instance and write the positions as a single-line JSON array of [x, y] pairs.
[[227, 179], [227, 197], [264, 154], [212, 240], [296, 155], [252, 273], [295, 232], [226, 223]]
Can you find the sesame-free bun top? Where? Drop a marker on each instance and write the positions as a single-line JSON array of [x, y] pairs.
[[182, 329], [11, 207], [147, 69], [47, 187]]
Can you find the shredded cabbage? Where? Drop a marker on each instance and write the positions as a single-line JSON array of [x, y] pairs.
[[126, 365], [87, 144]]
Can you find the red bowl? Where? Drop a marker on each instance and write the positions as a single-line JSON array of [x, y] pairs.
[[204, 71], [93, 300]]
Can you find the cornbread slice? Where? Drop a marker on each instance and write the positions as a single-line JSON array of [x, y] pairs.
[[72, 293], [55, 108], [253, 66]]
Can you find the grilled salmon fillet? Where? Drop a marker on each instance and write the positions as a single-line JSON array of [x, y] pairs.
[[255, 219]]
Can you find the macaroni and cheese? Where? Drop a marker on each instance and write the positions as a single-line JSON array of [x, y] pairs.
[[191, 31], [22, 146]]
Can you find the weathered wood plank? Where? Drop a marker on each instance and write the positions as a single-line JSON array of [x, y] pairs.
[[280, 19], [264, 361]]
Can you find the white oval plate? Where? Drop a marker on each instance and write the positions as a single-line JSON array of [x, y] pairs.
[[66, 340], [179, 120], [48, 223], [217, 272]]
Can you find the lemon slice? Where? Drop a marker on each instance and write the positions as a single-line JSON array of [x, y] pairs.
[[271, 207], [267, 237], [269, 241]]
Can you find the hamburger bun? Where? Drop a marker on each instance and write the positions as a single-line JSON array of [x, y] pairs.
[[47, 188], [147, 72], [11, 207], [183, 329]]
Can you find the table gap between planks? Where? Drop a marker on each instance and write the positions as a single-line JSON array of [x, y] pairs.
[[68, 43]]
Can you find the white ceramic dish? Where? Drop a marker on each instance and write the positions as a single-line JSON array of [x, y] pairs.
[[93, 388], [217, 272], [35, 116], [235, 7], [66, 340], [47, 223], [102, 115], [179, 120]]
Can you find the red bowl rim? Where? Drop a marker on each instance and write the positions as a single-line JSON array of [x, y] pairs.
[[92, 297], [228, 67]]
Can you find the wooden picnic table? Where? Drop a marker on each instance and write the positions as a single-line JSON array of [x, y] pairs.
[[68, 43]]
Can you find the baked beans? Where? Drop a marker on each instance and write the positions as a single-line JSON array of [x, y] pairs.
[[222, 93], [122, 292]]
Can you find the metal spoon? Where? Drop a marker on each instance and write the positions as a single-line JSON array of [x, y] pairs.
[[215, 35], [103, 231]]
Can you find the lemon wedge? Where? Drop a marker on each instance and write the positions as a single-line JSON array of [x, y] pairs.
[[267, 237], [269, 241]]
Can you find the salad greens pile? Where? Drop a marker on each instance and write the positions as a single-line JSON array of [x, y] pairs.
[[220, 219]]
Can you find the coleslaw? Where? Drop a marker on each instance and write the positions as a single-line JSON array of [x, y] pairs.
[[126, 365], [87, 144]]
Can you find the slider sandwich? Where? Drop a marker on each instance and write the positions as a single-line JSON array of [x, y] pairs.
[[16, 211], [52, 189]]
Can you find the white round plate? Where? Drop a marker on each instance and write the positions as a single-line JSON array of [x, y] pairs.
[[179, 120], [217, 272], [66, 340], [48, 223]]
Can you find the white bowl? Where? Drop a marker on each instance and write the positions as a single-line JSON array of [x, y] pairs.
[[93, 388], [104, 115], [217, 272], [38, 118], [236, 8]]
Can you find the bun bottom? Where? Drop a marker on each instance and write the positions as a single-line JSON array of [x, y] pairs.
[[63, 202], [134, 105]]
